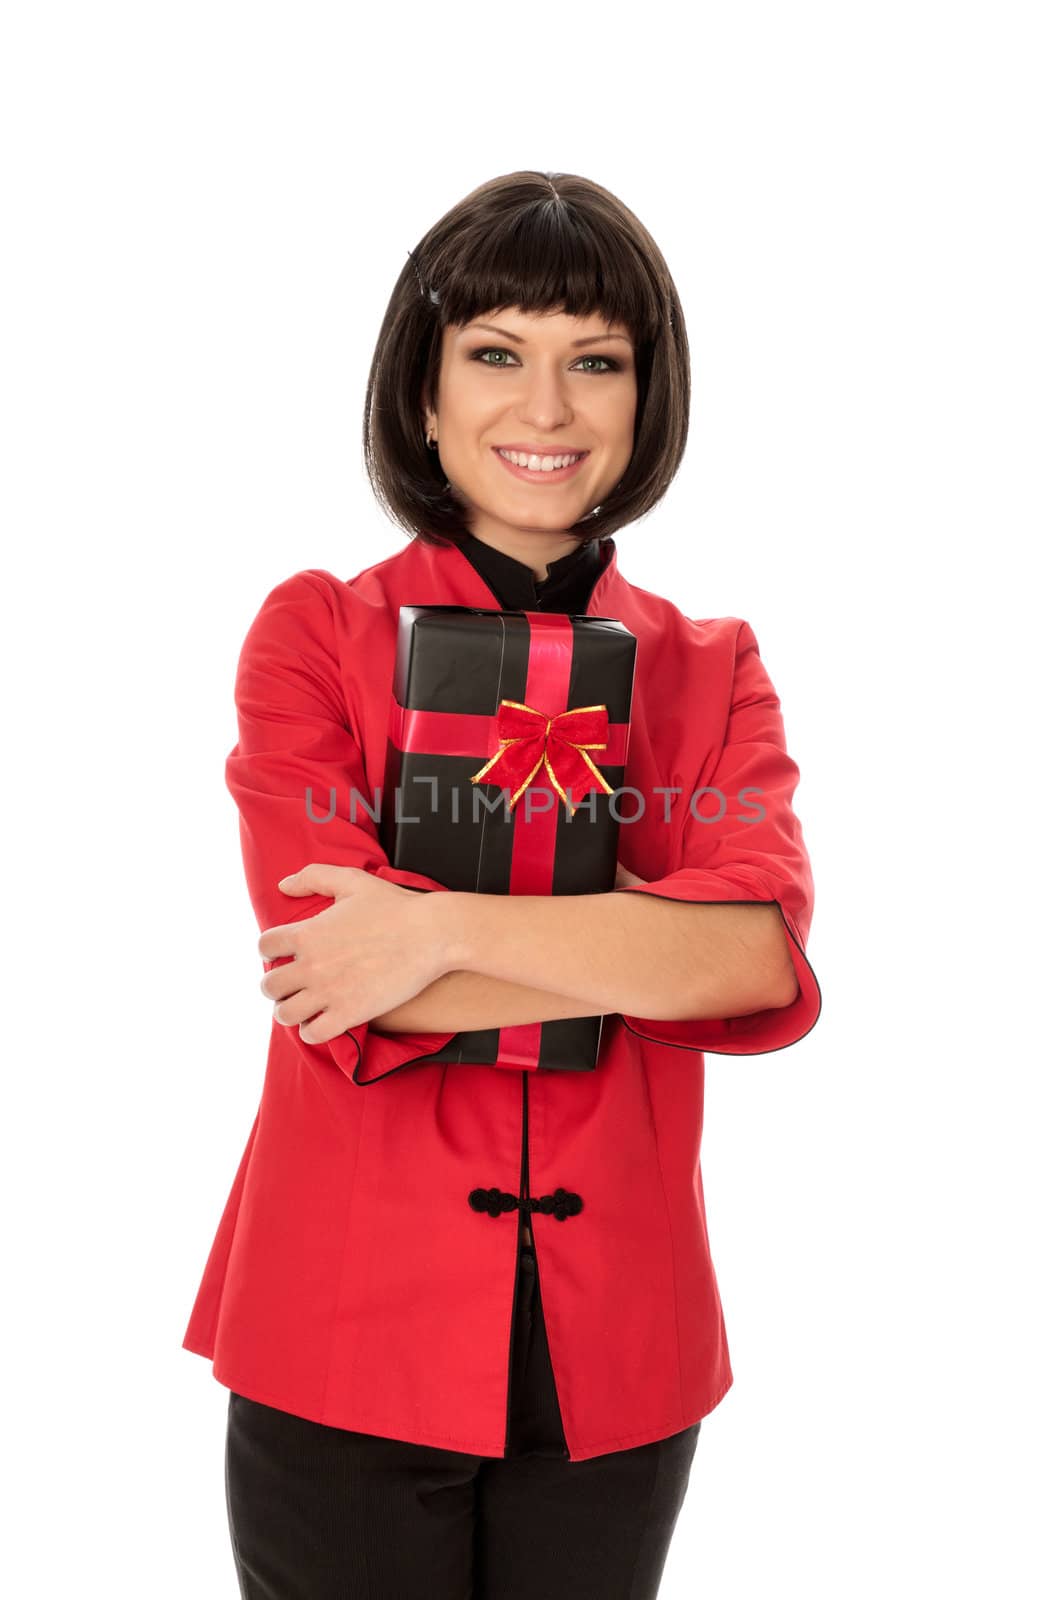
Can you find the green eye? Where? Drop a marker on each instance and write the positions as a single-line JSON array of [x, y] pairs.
[[608, 364], [493, 352]]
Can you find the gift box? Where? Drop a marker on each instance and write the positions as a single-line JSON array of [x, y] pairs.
[[507, 735]]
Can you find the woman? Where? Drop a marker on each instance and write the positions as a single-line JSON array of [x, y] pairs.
[[468, 1315]]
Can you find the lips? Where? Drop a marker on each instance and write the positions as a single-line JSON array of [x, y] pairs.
[[541, 449], [533, 475]]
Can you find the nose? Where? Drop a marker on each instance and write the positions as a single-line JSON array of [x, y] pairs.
[[545, 403]]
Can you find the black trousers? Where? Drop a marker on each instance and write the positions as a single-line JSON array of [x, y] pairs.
[[322, 1513]]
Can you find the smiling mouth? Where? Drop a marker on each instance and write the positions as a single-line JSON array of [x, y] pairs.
[[537, 473]]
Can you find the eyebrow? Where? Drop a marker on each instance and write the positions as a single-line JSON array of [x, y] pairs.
[[597, 338]]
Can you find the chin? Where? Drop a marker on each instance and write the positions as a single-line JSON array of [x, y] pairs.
[[550, 510], [524, 517]]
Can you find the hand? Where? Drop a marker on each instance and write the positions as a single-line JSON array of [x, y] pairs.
[[364, 955], [625, 879]]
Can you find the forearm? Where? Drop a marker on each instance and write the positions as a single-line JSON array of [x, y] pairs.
[[461, 1001], [630, 953]]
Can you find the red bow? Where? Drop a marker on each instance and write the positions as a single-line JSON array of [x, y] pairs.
[[530, 739]]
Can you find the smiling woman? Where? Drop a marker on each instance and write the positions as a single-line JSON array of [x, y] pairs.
[[437, 1288]]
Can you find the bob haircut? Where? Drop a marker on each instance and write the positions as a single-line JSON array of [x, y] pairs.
[[542, 242]]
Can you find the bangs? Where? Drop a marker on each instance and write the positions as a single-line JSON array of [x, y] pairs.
[[543, 260]]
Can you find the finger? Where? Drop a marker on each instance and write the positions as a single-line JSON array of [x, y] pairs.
[[282, 981], [317, 877], [279, 941], [297, 1009], [321, 1029]]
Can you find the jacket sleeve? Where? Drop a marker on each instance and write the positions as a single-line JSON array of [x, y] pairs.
[[296, 759], [749, 848]]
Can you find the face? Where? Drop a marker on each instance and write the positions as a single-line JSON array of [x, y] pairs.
[[544, 386]]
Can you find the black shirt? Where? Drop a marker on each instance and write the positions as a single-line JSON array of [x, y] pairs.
[[566, 587]]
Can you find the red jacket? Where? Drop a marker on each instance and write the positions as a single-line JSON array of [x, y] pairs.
[[352, 1279]]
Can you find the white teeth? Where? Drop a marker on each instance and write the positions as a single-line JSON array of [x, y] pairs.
[[540, 463]]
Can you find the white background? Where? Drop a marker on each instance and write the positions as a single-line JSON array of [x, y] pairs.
[[205, 209]]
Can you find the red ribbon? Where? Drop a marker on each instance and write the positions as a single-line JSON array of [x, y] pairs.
[[530, 739]]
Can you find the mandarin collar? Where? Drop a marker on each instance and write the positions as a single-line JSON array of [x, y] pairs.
[[566, 587]]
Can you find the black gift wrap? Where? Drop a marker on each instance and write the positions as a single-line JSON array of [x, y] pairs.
[[462, 662]]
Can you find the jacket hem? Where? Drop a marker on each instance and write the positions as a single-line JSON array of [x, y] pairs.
[[199, 1347], [630, 1441], [461, 1445], [365, 1424]]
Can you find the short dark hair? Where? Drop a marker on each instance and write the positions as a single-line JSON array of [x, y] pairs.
[[540, 241]]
